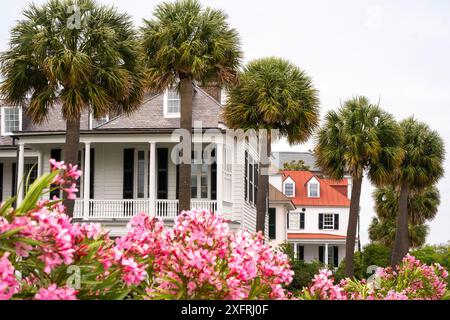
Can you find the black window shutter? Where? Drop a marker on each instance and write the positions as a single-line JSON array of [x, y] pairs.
[[255, 183], [128, 173], [162, 168], [250, 176], [214, 177], [246, 176], [321, 254], [55, 154], [300, 252], [336, 221], [336, 256], [1, 182], [320, 221], [302, 220], [287, 221], [14, 179], [272, 223], [92, 174]]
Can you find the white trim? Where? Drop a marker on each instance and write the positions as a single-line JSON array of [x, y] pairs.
[[2, 125], [91, 119], [289, 181], [165, 106]]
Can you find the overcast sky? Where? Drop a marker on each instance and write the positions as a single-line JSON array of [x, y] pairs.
[[395, 51]]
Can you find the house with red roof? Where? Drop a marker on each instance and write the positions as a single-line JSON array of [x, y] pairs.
[[316, 226]]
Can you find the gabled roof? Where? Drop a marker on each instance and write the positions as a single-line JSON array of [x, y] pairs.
[[330, 196]]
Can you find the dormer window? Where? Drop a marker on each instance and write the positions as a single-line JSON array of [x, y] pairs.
[[289, 187], [11, 120], [313, 188], [171, 103], [94, 123]]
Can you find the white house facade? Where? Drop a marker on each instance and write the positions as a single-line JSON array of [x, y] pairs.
[[317, 225], [129, 162]]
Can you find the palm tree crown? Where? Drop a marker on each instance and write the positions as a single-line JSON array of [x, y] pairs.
[[358, 137], [274, 94], [186, 40], [94, 65], [424, 154]]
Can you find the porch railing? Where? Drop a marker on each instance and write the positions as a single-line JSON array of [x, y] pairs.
[[127, 208]]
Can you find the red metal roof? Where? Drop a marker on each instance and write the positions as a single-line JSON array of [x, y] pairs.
[[331, 193], [315, 236]]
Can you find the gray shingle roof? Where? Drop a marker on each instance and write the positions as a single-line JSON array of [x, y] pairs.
[[149, 116], [280, 158]]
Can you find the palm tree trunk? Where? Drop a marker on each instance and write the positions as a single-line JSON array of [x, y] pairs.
[[184, 185], [263, 187], [352, 226], [401, 243], [71, 153]]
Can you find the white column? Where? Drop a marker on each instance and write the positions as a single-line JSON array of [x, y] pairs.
[[86, 180], [40, 163], [152, 180], [219, 188], [20, 173], [325, 258]]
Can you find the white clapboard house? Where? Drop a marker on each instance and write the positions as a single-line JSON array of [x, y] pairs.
[[127, 161]]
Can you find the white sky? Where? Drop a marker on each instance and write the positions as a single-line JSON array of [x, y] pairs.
[[397, 51]]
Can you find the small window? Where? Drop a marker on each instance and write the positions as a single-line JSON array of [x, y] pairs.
[[11, 120], [171, 104], [95, 123], [289, 189], [313, 190], [296, 220], [328, 221]]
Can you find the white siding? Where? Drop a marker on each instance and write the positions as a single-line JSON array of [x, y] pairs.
[[312, 220], [7, 177], [108, 179], [280, 224]]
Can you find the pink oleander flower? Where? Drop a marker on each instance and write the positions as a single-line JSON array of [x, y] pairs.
[[55, 293], [8, 282]]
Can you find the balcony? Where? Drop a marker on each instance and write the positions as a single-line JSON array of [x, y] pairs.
[[125, 209]]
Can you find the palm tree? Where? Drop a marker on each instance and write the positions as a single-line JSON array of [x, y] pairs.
[[272, 93], [76, 54], [422, 206], [383, 232], [422, 166], [185, 42], [358, 138]]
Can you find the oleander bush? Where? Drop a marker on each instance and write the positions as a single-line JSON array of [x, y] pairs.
[[45, 256], [411, 280]]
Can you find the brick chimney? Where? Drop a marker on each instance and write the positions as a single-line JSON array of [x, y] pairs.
[[213, 90]]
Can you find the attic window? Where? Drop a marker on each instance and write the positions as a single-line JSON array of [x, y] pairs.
[[99, 121], [171, 103], [313, 190], [11, 120], [289, 189]]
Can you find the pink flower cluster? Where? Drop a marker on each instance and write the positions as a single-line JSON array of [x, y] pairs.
[[411, 280], [201, 255], [55, 293], [8, 283], [66, 179], [324, 288]]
